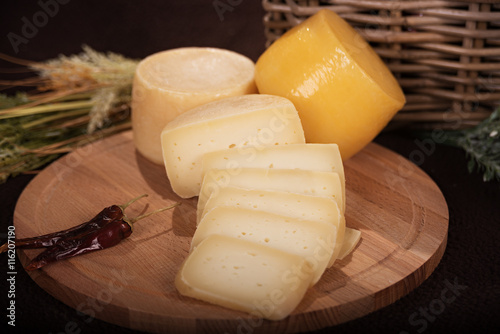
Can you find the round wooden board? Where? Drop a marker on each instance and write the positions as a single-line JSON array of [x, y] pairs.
[[400, 211]]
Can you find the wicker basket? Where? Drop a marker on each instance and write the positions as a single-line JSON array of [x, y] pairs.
[[445, 54]]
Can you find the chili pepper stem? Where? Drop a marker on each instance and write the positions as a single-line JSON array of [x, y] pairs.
[[135, 219], [124, 206]]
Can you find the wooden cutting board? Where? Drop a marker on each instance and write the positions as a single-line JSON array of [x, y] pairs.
[[400, 211]]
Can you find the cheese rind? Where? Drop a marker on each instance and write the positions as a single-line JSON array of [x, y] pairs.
[[297, 181], [312, 240], [245, 276], [238, 123], [314, 157], [171, 82], [343, 91]]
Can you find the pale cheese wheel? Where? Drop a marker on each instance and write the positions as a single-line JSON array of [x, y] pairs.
[[168, 83]]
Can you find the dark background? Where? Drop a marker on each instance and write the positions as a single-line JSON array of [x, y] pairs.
[[139, 28]]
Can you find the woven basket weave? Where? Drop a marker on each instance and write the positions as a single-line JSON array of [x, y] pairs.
[[445, 54]]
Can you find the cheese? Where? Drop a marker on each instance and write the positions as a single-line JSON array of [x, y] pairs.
[[343, 91], [312, 183], [340, 241], [168, 83], [315, 157], [298, 206], [245, 276], [312, 240], [351, 239], [322, 209], [239, 124]]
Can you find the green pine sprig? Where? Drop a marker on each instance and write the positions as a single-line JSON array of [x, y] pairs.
[[481, 145]]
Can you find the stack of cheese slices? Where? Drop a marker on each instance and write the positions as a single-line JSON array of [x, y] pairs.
[[270, 216]]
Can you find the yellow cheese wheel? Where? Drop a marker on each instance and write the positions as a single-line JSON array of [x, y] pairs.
[[171, 82], [342, 90]]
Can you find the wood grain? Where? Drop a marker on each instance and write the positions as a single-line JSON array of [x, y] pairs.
[[400, 211]]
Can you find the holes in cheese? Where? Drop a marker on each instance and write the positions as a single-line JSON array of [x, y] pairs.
[[237, 124], [312, 240], [343, 91], [169, 83], [245, 276], [298, 206], [314, 157], [298, 181]]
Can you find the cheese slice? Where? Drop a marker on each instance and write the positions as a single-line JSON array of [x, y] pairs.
[[299, 206], [343, 91], [241, 123], [312, 240], [351, 239], [340, 241], [245, 276], [322, 209], [315, 157], [298, 181], [171, 82]]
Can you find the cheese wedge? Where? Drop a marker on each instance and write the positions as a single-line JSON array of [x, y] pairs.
[[351, 239], [298, 181], [298, 206], [315, 157], [245, 276], [343, 91], [312, 240], [241, 123], [171, 82]]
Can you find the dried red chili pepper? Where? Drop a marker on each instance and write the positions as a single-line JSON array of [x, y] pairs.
[[104, 217], [107, 236]]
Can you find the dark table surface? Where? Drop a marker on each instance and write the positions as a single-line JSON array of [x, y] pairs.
[[139, 28]]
